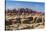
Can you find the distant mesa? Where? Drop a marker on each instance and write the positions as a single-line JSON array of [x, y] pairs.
[[23, 10]]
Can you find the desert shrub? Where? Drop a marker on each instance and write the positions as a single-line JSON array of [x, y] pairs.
[[39, 20], [18, 20], [8, 22]]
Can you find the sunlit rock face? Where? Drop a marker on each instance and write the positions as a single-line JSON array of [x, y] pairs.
[[24, 19]]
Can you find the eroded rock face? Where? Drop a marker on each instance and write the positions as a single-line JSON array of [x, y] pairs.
[[24, 21], [27, 23]]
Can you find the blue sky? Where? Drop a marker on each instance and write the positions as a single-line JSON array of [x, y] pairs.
[[37, 6]]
